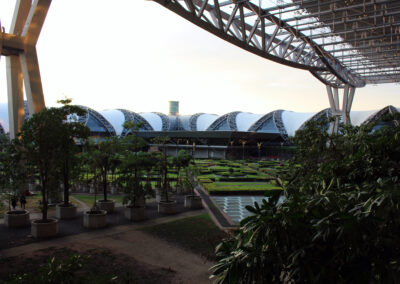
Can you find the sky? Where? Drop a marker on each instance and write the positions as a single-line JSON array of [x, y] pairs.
[[137, 55]]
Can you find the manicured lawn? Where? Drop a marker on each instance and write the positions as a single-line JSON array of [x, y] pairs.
[[239, 186], [226, 175], [198, 234]]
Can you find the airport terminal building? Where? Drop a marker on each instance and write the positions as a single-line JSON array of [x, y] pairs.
[[233, 135]]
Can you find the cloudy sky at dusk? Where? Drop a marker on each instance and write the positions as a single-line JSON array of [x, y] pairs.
[[137, 55]]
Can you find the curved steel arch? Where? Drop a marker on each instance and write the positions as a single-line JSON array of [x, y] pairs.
[[193, 121], [325, 112], [279, 123], [229, 117], [99, 118], [134, 117], [276, 117], [259, 123], [165, 121], [248, 26], [376, 116]]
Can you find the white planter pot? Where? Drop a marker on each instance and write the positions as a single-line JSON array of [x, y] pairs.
[[40, 229], [193, 202], [18, 218], [107, 205], [167, 207], [137, 213], [95, 219], [68, 212]]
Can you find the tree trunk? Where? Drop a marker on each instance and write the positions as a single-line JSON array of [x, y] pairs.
[[105, 184], [44, 201], [66, 184]]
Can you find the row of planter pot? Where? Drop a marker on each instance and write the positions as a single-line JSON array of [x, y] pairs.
[[92, 219]]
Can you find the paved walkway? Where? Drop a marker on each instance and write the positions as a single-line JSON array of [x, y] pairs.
[[19, 236], [123, 236]]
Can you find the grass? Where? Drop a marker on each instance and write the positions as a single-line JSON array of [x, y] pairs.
[[239, 186], [198, 234]]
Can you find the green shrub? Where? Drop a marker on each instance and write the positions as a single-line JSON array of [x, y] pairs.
[[338, 222]]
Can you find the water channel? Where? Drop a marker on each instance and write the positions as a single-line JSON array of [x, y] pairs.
[[235, 206]]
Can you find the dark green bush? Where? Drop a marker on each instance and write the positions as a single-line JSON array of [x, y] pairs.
[[339, 221]]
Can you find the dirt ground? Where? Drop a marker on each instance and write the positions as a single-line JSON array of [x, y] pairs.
[[149, 259]]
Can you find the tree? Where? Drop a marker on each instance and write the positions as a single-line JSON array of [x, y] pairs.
[[43, 141], [164, 163], [181, 161], [133, 164], [338, 222], [102, 158], [12, 172], [70, 132]]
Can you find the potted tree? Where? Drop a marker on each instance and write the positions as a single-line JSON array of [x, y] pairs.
[[166, 205], [131, 174], [95, 217], [102, 157], [134, 162], [12, 177], [68, 160], [41, 141], [192, 200], [182, 161]]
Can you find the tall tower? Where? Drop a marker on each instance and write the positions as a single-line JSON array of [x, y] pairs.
[[174, 108]]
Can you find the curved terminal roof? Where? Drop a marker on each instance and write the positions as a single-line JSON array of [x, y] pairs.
[[245, 119], [154, 120], [204, 121], [294, 120], [116, 119], [285, 123]]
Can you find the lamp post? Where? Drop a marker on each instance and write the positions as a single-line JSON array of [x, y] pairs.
[[259, 149]]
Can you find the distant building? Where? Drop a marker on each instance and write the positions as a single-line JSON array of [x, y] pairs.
[[173, 108], [211, 135]]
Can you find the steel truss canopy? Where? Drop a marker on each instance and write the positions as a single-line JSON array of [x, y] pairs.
[[341, 42]]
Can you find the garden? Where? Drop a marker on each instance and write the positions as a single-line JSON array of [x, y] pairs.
[[239, 176], [331, 216], [53, 165]]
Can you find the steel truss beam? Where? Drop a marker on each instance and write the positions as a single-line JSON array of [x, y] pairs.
[[248, 26], [317, 35], [19, 45], [340, 114]]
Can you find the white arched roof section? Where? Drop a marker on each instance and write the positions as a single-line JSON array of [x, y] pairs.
[[154, 120], [358, 117], [116, 118], [246, 119], [4, 117], [293, 120], [205, 120]]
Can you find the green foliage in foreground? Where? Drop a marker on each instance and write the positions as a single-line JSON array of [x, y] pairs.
[[339, 222], [73, 268]]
